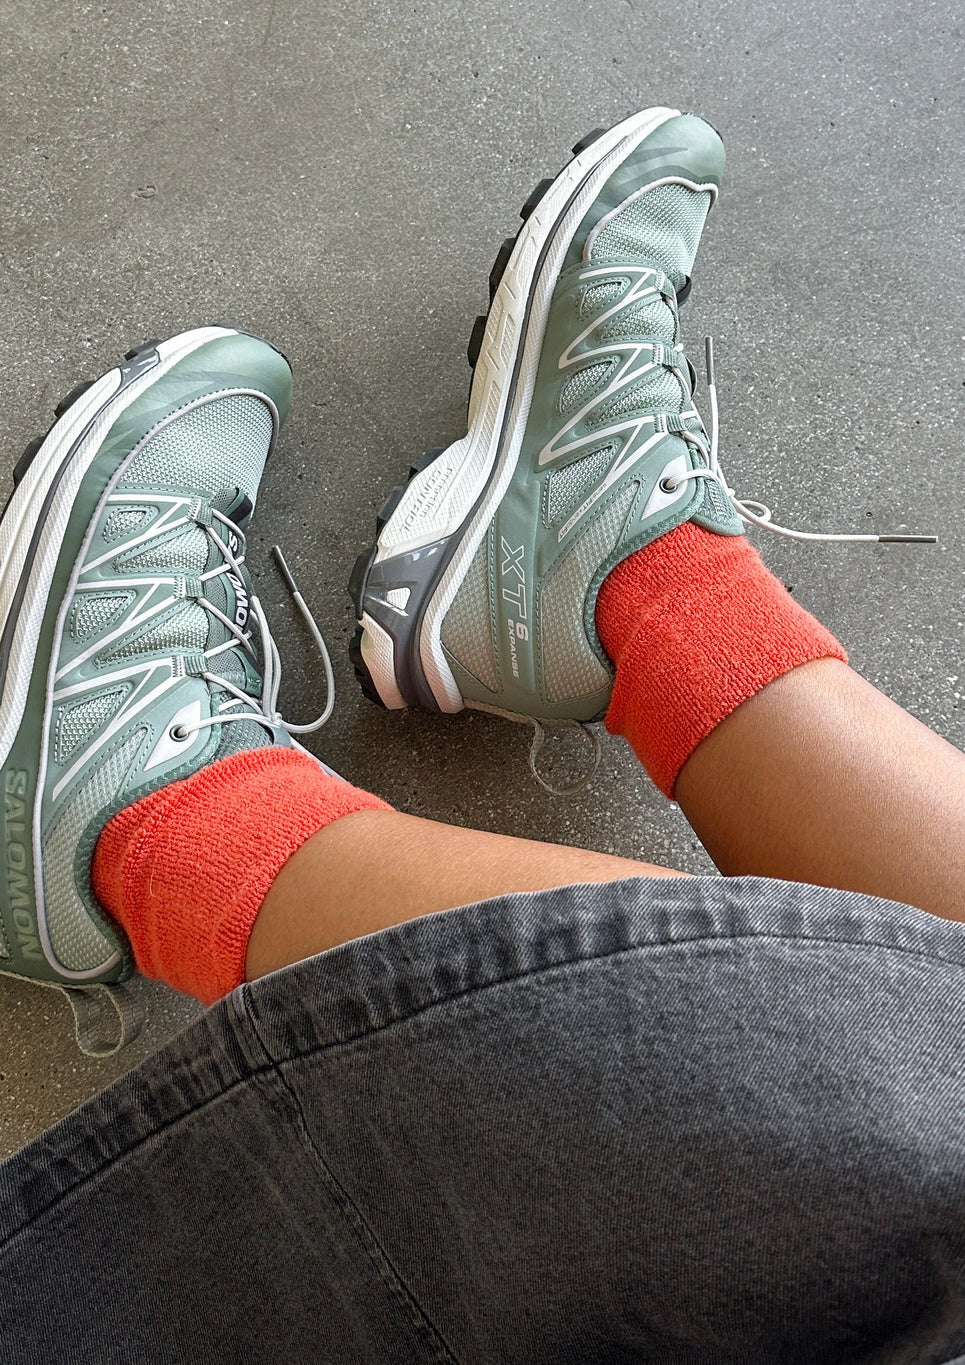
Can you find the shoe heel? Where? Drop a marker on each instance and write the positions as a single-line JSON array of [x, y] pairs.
[[372, 649]]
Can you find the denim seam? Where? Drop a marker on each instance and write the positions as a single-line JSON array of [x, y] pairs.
[[795, 939], [125, 1152], [364, 1233], [273, 1067]]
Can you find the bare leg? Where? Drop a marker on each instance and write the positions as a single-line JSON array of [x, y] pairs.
[[817, 778], [820, 778], [377, 868]]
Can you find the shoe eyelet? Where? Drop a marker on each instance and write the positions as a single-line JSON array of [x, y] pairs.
[[669, 485], [179, 734]]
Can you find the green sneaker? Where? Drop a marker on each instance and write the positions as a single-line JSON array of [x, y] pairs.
[[133, 651], [582, 443]]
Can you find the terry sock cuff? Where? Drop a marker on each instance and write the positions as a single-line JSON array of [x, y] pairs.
[[186, 869], [696, 625]]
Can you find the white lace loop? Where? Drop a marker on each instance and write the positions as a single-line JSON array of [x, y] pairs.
[[750, 511], [539, 739], [263, 710]]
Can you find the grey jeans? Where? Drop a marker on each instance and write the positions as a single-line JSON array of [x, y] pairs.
[[668, 1121]]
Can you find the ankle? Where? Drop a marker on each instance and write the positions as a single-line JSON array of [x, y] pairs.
[[185, 870], [696, 624]]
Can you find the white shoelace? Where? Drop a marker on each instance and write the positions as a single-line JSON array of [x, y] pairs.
[[750, 511], [263, 711], [92, 1005]]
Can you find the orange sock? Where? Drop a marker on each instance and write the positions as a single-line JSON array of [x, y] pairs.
[[696, 625], [184, 871]]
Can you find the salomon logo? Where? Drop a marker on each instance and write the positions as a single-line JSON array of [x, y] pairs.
[[241, 601], [17, 863]]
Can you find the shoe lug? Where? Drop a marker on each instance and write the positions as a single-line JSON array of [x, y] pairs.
[[535, 197], [476, 340], [144, 347], [389, 506], [69, 399], [499, 266], [360, 572], [26, 459], [588, 140], [424, 460], [362, 674]]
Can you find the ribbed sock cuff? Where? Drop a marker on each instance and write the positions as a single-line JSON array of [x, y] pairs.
[[184, 870], [696, 625]]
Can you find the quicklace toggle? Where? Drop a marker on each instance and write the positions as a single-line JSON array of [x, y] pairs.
[[750, 510]]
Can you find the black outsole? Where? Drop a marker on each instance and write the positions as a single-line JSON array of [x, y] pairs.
[[363, 563]]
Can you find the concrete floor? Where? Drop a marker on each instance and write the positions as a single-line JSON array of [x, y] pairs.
[[338, 178]]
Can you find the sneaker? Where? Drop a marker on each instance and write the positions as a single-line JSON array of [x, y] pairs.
[[582, 442], [133, 650]]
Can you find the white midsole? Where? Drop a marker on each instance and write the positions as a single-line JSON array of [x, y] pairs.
[[20, 518], [437, 502]]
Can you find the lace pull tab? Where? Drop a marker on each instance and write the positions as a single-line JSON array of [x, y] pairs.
[[712, 395], [317, 636], [539, 739], [95, 1010], [754, 513]]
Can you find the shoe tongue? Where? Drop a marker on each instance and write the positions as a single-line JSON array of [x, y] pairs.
[[235, 504], [231, 594], [242, 735], [661, 227]]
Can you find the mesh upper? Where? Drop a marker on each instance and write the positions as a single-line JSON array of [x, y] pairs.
[[662, 226], [467, 631], [661, 229], [649, 318], [220, 444], [597, 297], [77, 722], [186, 628], [582, 384], [186, 552], [569, 485], [217, 447], [657, 391], [92, 612], [123, 522], [570, 667]]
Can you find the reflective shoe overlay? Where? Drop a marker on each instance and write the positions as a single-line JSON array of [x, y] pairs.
[[582, 443], [133, 651]]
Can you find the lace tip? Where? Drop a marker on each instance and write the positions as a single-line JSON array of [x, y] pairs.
[[709, 360], [908, 540], [284, 570]]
